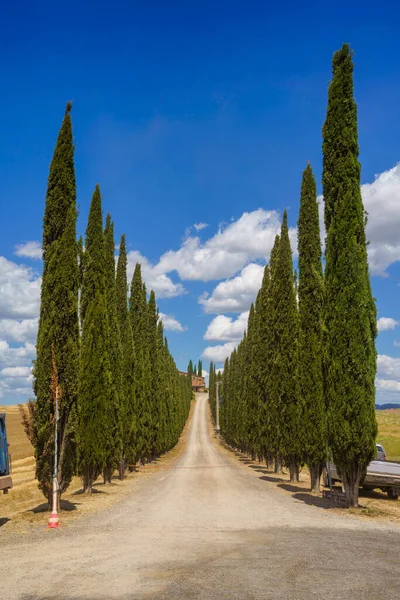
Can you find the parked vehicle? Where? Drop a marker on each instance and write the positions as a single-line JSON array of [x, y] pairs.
[[5, 478], [381, 474], [380, 450]]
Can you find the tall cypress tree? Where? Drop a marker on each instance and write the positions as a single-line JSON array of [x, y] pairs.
[[114, 432], [200, 368], [95, 377], [58, 322], [142, 373], [310, 291], [127, 404], [350, 314], [284, 371]]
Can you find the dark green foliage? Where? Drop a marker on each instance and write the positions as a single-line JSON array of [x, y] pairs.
[[58, 323], [127, 404], [311, 307], [142, 373], [114, 432], [350, 314], [284, 372], [97, 391], [200, 368]]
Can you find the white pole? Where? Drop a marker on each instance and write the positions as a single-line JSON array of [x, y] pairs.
[[217, 407], [55, 473]]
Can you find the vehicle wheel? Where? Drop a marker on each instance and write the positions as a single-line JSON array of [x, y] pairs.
[[392, 495]]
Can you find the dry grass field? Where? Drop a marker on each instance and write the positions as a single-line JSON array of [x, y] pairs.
[[24, 507], [389, 432]]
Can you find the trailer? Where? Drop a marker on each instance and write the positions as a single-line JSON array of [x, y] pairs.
[[5, 477], [381, 474]]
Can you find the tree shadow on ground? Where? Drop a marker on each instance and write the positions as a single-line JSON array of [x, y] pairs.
[[95, 490], [271, 479], [3, 521], [64, 505]]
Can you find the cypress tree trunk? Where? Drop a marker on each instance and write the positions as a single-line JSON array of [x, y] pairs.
[[315, 475], [58, 322], [350, 313], [310, 292]]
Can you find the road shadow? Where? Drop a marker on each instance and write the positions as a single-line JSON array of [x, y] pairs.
[[64, 505], [3, 521]]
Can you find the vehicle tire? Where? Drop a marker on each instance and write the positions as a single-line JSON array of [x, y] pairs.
[[392, 495]]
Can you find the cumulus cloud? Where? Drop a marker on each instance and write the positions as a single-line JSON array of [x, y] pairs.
[[200, 226], [31, 249], [19, 331], [249, 238], [218, 354], [386, 323], [154, 278], [223, 328], [236, 294], [16, 372], [388, 367], [20, 291], [16, 357], [381, 200], [170, 323]]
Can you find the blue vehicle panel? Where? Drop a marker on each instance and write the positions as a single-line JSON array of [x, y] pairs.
[[4, 464]]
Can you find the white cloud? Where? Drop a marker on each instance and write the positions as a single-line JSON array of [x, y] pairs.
[[387, 384], [19, 291], [200, 226], [236, 294], [16, 372], [170, 323], [156, 280], [31, 249], [218, 354], [396, 344], [381, 200], [251, 237], [16, 357], [388, 367], [224, 328], [386, 324], [19, 331]]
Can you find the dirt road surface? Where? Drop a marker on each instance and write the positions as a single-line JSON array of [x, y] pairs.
[[207, 529]]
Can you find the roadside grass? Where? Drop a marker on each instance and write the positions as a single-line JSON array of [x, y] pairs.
[[389, 432], [24, 508]]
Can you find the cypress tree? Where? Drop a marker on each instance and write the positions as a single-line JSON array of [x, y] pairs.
[[95, 377], [284, 371], [310, 291], [128, 404], [58, 322], [350, 313], [200, 369], [142, 373], [114, 432]]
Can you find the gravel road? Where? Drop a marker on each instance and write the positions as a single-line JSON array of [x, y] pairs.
[[207, 529]]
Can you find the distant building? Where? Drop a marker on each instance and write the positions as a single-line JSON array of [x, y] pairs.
[[198, 382]]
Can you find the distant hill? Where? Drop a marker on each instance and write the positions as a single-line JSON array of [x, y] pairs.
[[386, 406]]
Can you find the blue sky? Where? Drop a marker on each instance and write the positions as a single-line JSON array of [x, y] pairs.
[[191, 113]]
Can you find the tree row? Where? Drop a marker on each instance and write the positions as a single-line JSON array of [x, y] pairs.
[[122, 400], [300, 386]]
